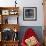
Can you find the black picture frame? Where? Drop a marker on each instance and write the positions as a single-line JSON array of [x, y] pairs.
[[29, 13]]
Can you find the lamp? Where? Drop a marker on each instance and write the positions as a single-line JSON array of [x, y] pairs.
[[15, 3]]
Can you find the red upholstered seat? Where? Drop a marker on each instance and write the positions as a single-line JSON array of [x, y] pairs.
[[29, 33]]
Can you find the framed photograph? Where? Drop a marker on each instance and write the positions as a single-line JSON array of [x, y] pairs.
[[13, 12], [5, 12], [30, 13]]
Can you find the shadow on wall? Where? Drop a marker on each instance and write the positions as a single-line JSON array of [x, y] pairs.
[[37, 29]]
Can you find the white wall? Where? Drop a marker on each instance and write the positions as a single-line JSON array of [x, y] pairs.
[[26, 3], [32, 3]]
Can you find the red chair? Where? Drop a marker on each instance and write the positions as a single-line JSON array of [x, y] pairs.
[[29, 33]]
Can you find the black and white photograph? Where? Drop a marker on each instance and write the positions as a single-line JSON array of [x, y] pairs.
[[30, 13]]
